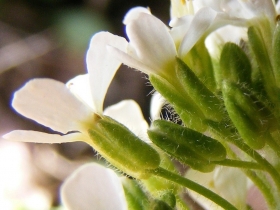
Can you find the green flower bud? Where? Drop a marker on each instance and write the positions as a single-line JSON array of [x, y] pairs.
[[235, 66], [189, 112], [262, 57], [136, 198], [202, 96], [245, 115], [188, 146], [118, 145], [160, 205], [169, 198]]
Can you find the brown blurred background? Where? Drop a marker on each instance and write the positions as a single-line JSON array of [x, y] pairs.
[[49, 38]]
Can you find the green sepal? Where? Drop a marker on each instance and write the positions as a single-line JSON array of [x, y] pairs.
[[210, 105], [204, 146], [245, 115], [188, 146], [189, 112], [183, 154], [235, 65], [116, 143], [262, 57], [136, 198], [199, 60]]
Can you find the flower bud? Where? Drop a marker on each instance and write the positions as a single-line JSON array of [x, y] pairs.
[[260, 51], [234, 64], [188, 146], [160, 205], [169, 198], [245, 115], [118, 145], [136, 197]]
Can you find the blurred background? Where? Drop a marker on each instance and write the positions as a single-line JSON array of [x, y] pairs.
[[48, 39]]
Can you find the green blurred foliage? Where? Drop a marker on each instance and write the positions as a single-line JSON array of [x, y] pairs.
[[75, 26]]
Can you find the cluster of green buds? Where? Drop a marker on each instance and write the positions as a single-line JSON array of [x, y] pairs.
[[226, 105]]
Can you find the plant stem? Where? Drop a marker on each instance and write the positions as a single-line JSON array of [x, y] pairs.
[[193, 186], [238, 164], [263, 187], [273, 145], [261, 160], [224, 136]]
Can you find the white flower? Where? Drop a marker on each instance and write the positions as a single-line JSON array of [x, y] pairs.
[[208, 15], [152, 46], [93, 187], [74, 107]]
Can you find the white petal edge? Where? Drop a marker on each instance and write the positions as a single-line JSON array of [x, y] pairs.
[[129, 113], [80, 87], [129, 60], [40, 137], [199, 25], [157, 102], [93, 187], [133, 13], [185, 20], [50, 103], [218, 38], [152, 42], [102, 66]]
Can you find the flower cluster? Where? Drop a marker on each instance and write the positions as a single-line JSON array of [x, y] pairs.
[[217, 68]]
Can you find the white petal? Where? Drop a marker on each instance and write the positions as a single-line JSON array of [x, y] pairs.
[[152, 42], [278, 7], [50, 103], [40, 137], [180, 28], [185, 20], [260, 7], [80, 87], [218, 38], [128, 113], [231, 184], [214, 4], [206, 180], [129, 60], [133, 13], [201, 22], [101, 65], [179, 8], [157, 102], [93, 187], [235, 9]]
